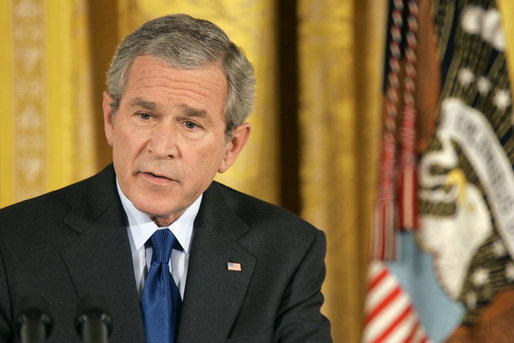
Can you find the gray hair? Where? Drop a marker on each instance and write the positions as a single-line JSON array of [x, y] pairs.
[[182, 41]]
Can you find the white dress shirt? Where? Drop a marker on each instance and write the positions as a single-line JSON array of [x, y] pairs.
[[141, 228]]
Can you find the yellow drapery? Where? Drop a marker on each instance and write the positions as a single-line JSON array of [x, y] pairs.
[[47, 137], [6, 132], [341, 44]]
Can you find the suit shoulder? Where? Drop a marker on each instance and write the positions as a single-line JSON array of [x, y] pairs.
[[62, 198], [259, 213], [52, 205]]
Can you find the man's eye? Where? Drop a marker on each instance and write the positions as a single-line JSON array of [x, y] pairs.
[[190, 125], [145, 116]]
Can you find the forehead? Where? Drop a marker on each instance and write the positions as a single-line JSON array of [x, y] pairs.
[[150, 78]]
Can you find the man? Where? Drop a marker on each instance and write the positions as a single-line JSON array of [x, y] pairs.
[[240, 270]]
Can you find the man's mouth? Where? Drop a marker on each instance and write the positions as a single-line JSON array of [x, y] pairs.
[[156, 178]]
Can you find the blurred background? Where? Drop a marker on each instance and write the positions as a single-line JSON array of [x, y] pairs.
[[318, 138]]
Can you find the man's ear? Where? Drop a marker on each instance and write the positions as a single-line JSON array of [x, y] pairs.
[[236, 143], [108, 118]]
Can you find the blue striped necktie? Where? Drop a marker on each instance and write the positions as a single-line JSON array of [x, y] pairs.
[[161, 302]]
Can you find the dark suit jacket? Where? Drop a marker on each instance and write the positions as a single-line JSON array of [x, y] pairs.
[[74, 241]]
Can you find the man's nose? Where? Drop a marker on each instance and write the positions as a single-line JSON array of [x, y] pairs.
[[164, 140]]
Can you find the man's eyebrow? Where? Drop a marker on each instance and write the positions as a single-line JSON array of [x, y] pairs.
[[139, 102], [152, 106], [193, 112]]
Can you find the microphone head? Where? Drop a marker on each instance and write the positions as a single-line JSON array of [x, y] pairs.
[[33, 308], [91, 308]]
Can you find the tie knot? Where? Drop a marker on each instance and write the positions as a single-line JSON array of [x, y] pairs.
[[163, 241]]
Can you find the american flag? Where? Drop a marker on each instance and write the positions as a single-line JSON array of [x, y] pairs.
[[389, 313], [236, 267]]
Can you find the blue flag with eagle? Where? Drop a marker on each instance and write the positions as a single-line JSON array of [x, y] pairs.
[[466, 178]]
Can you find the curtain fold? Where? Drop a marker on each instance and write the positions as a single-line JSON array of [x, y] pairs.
[[6, 96], [70, 138], [340, 99]]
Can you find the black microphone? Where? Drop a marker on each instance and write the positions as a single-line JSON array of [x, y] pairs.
[[33, 322], [93, 323]]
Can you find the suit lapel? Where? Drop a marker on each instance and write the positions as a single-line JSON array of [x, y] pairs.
[[214, 294], [99, 260]]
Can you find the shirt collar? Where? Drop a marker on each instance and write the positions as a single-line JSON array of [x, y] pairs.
[[141, 226]]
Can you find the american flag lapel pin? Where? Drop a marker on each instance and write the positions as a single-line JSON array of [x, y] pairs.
[[233, 266]]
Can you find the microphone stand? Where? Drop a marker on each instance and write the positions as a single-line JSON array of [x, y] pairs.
[[93, 323], [33, 322]]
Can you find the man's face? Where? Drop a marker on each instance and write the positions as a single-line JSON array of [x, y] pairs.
[[168, 136]]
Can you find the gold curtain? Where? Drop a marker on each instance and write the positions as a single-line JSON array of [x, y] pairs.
[[341, 47], [46, 137], [6, 132]]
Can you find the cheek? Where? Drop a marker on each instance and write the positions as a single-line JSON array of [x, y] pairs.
[[128, 143], [217, 157], [123, 152], [204, 161]]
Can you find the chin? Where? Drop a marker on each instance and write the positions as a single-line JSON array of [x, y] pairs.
[[150, 207], [156, 211]]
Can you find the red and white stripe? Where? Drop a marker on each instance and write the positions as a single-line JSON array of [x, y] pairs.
[[389, 313]]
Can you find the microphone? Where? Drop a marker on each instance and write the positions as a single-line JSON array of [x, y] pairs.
[[92, 322], [33, 322]]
